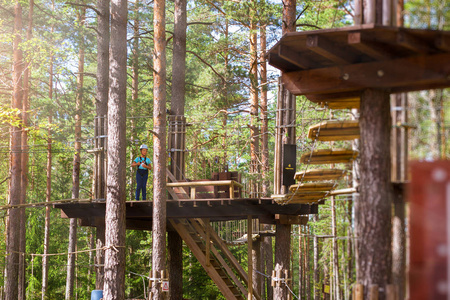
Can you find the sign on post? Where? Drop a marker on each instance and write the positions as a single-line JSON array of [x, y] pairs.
[[165, 286]]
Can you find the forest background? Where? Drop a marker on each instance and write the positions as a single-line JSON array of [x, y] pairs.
[[218, 82]]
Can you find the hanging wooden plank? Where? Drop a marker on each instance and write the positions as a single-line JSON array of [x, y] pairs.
[[346, 103], [320, 174], [329, 156], [334, 130], [311, 187], [343, 192]]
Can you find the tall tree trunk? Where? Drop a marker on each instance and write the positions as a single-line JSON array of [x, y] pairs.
[[264, 118], [254, 103], [49, 185], [102, 112], [268, 260], [13, 229], [282, 257], [134, 91], [373, 213], [177, 164], [159, 144], [316, 268], [256, 260], [114, 280], [24, 159], [70, 280], [336, 279]]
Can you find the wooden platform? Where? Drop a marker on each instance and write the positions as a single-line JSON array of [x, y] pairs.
[[334, 130], [339, 63], [329, 156], [320, 174], [139, 213]]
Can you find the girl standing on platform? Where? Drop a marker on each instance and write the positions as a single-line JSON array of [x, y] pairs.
[[144, 164]]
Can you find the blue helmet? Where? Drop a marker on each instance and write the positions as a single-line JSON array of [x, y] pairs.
[[143, 146]]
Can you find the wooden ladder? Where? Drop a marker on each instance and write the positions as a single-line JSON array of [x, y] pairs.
[[221, 266]]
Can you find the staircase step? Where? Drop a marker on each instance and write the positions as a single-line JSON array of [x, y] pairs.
[[329, 156], [334, 130]]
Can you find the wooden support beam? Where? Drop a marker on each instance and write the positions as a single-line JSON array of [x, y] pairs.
[[285, 219], [250, 257], [443, 42], [414, 43], [293, 57], [367, 45], [399, 75], [327, 49]]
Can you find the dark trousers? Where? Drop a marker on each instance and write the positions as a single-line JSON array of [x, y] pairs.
[[141, 184]]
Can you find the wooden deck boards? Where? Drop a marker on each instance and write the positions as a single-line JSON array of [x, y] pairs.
[[311, 187], [334, 130], [329, 156], [320, 174]]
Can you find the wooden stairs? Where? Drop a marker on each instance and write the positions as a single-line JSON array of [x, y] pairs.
[[215, 257]]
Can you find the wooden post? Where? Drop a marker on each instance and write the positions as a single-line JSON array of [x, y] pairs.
[[358, 290], [250, 257], [391, 292], [373, 292], [208, 243]]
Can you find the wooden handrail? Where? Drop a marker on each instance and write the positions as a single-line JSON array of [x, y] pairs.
[[205, 183]]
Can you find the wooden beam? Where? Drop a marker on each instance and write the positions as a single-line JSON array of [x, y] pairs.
[[399, 75], [327, 49], [205, 183], [367, 45], [293, 57], [443, 42], [414, 43], [285, 219], [250, 257]]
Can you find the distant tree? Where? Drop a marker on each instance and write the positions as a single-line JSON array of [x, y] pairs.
[[13, 229]]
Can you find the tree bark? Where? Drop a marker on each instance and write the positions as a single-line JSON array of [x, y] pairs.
[[289, 16], [13, 229], [399, 243], [264, 118], [175, 244], [282, 257], [114, 280], [101, 106], [373, 210], [159, 144], [134, 92], [256, 254], [76, 164], [268, 260], [254, 105], [177, 164], [48, 191], [24, 159]]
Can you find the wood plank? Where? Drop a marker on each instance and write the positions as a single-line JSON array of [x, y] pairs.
[[311, 187], [198, 253], [333, 130], [326, 48], [285, 219], [204, 228], [205, 183], [367, 44], [399, 75], [349, 103], [328, 156], [443, 41], [347, 191], [320, 174], [293, 57], [408, 40]]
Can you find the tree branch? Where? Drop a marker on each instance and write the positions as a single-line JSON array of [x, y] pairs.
[[211, 67], [307, 25], [85, 5], [199, 23], [204, 143], [7, 10], [5, 179]]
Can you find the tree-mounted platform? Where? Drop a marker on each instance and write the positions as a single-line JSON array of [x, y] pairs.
[[139, 213], [334, 130], [339, 63], [329, 156]]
